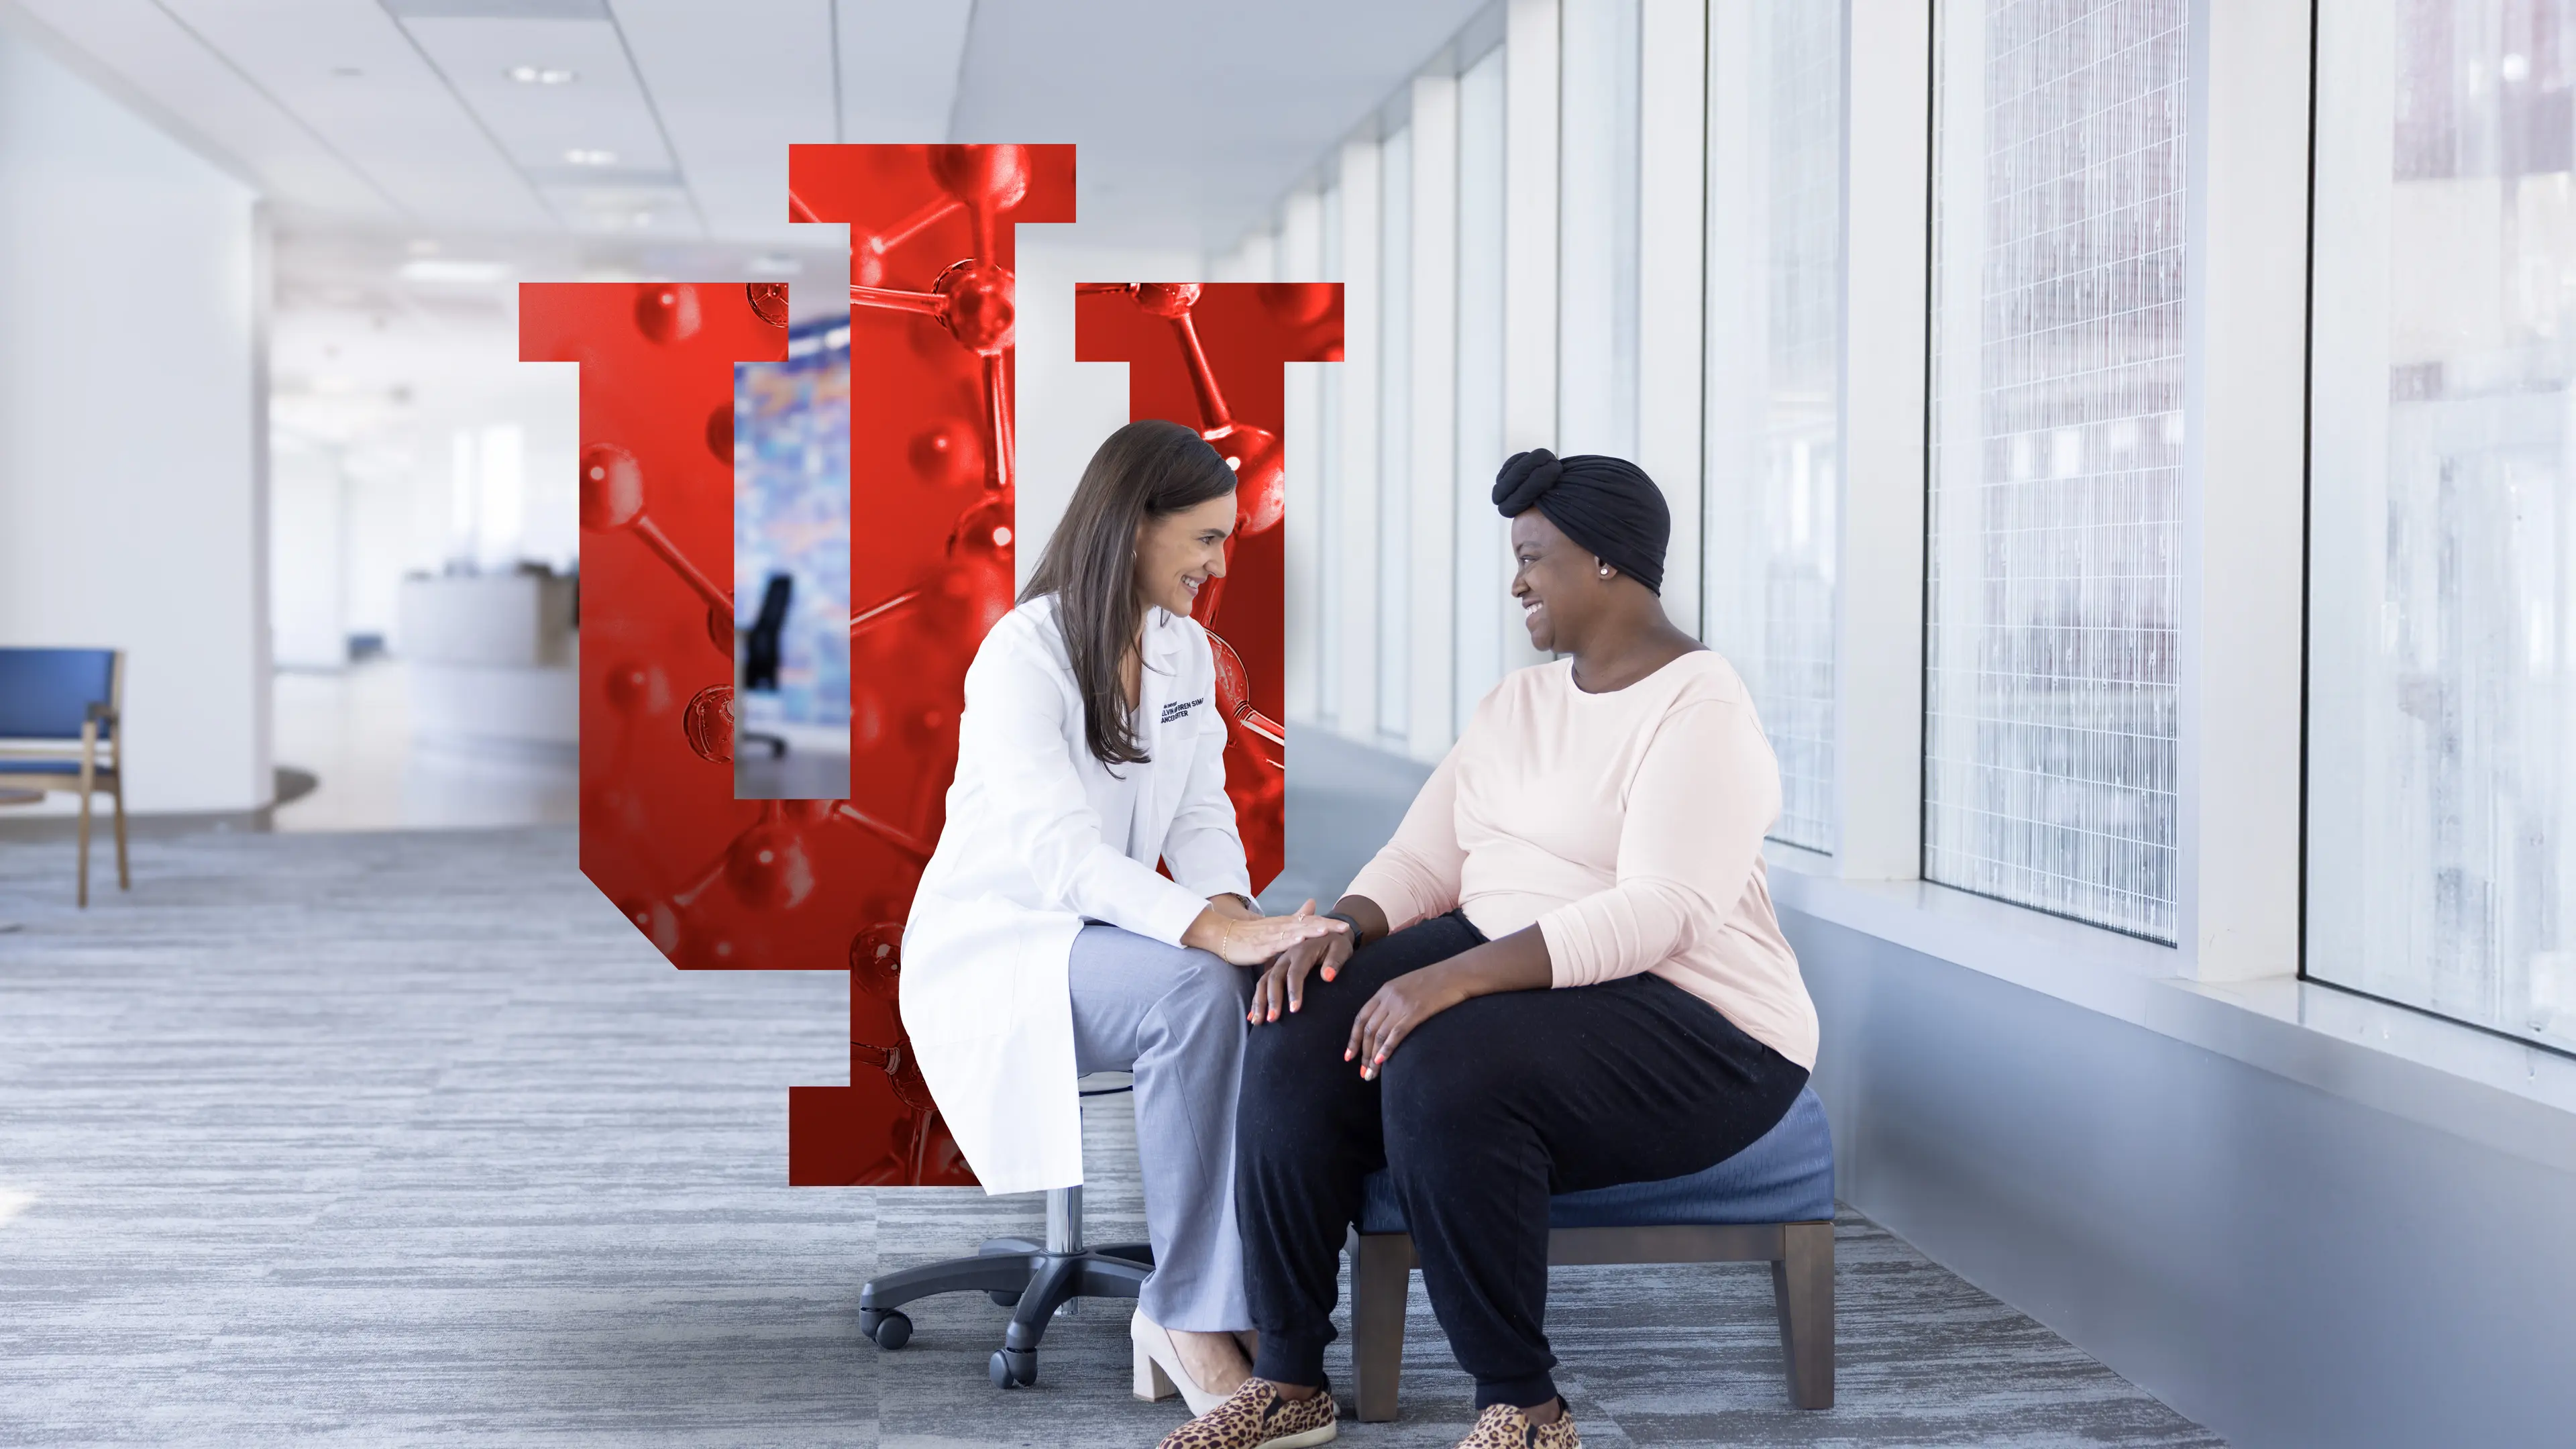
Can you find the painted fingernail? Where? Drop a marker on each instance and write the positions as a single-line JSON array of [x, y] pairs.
[[1346, 1056]]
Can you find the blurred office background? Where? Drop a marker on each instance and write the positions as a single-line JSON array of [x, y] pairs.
[[2127, 446]]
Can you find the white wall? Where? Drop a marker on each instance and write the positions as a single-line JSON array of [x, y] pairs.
[[133, 487], [309, 534]]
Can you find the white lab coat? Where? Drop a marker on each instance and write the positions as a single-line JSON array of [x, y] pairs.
[[1024, 860]]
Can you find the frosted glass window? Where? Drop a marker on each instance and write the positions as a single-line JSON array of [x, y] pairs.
[[1395, 436], [1775, 381], [1597, 230], [1330, 583], [2442, 489], [2056, 470], [1485, 606]]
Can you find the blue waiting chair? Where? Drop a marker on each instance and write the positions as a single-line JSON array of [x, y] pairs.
[[1772, 1202], [60, 729]]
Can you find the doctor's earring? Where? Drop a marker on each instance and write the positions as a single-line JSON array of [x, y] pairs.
[[1605, 571]]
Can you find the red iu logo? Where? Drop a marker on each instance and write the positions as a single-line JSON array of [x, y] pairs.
[[717, 883]]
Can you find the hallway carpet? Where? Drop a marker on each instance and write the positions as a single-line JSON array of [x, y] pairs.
[[408, 1138]]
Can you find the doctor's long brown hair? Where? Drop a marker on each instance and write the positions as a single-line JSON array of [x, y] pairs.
[[1144, 471]]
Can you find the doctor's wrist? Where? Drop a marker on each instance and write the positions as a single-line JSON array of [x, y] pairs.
[[1207, 932]]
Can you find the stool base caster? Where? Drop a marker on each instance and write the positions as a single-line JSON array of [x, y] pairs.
[[890, 1329], [1012, 1368]]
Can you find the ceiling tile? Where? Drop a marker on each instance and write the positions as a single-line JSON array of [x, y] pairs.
[[738, 84], [351, 73], [600, 112], [1193, 118], [899, 67], [167, 68]]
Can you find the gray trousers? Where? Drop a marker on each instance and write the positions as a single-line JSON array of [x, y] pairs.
[[1173, 1015]]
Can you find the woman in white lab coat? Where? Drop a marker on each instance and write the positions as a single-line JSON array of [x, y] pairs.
[[1042, 942]]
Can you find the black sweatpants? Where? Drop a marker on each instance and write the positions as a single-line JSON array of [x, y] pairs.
[[1482, 1113]]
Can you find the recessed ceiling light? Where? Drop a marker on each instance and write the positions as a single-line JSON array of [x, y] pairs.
[[452, 269], [541, 75], [579, 156]]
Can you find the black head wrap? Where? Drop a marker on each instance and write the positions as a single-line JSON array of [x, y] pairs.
[[1608, 505]]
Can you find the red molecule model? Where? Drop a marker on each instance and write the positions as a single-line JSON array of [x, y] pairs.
[[708, 723], [667, 311]]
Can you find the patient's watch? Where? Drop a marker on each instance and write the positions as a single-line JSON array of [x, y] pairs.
[[1346, 919]]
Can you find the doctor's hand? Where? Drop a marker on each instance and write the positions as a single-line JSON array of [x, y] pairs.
[[1283, 985], [1251, 942]]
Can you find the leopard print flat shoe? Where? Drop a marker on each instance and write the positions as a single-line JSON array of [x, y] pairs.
[[1256, 1417], [1503, 1426]]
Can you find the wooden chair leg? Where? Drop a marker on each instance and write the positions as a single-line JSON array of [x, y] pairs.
[[124, 877], [1802, 1286], [1381, 1276], [84, 850]]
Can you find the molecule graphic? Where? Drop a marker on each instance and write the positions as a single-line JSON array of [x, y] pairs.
[[972, 299], [1259, 463], [612, 481]]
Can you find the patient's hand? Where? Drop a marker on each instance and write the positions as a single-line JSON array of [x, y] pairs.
[[1283, 985], [1517, 962]]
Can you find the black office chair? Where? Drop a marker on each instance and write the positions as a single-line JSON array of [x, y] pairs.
[[1034, 1280], [760, 645]]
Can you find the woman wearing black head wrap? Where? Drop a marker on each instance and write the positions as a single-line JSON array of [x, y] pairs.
[[1581, 527], [1563, 973], [1606, 505]]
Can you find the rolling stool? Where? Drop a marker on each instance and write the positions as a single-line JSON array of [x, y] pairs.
[[1035, 1281]]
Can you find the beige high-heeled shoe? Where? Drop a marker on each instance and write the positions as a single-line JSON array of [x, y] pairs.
[[1159, 1373]]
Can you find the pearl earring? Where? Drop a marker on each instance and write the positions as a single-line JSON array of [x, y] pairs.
[[1605, 571]]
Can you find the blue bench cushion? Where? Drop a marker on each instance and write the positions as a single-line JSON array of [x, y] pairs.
[[1786, 1176]]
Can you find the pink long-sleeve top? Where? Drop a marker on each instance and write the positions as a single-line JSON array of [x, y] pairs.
[[1627, 826]]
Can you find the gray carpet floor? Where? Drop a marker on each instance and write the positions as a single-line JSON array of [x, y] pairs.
[[407, 1138]]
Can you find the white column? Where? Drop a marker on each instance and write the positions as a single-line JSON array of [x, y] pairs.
[[1395, 435], [1301, 259], [1596, 274], [1482, 558], [1356, 503], [1428, 727], [1530, 51], [2244, 490], [1733, 306], [1671, 256], [1878, 695]]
